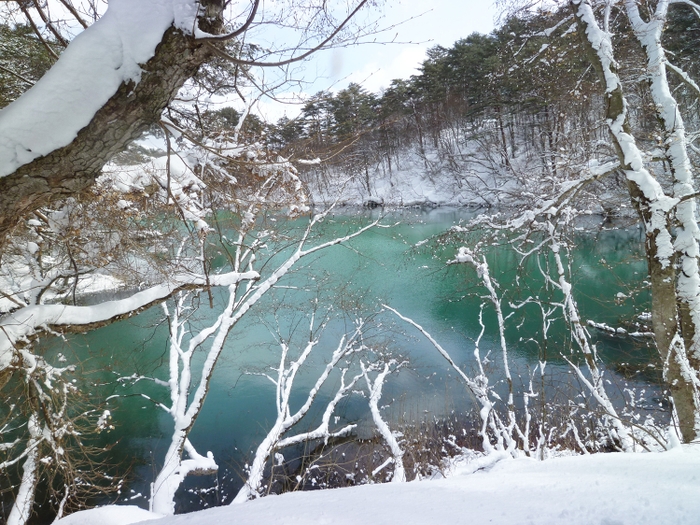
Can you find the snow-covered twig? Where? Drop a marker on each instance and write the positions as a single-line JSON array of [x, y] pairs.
[[22, 324]]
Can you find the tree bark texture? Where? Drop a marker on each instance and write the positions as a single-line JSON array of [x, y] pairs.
[[128, 113], [647, 198]]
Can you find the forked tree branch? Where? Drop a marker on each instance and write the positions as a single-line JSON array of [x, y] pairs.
[[293, 59], [237, 32]]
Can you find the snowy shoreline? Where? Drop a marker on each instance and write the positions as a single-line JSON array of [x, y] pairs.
[[605, 488]]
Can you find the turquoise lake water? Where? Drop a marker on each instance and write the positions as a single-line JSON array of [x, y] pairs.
[[389, 265]]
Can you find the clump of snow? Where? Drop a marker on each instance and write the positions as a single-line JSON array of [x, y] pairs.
[[88, 73], [311, 162], [103, 422]]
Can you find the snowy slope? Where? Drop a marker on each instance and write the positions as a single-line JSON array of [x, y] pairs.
[[600, 489], [410, 183]]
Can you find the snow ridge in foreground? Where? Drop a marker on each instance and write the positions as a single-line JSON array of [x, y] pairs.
[[598, 489]]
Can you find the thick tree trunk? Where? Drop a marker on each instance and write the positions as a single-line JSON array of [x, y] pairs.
[[671, 311], [684, 359], [131, 110], [666, 326]]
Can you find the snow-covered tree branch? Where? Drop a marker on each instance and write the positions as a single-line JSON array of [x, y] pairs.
[[672, 254], [286, 419], [188, 387]]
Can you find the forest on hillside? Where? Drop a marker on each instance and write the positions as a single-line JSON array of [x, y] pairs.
[[523, 101]]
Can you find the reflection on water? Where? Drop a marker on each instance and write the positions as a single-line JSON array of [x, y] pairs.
[[384, 266]]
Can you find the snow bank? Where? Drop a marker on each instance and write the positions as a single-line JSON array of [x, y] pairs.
[[88, 73], [600, 489], [109, 515]]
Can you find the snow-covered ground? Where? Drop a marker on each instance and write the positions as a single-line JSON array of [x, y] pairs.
[[600, 489]]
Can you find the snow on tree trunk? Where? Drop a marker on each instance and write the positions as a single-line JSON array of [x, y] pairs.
[[375, 394], [144, 53], [687, 232], [622, 437], [169, 477], [656, 210], [175, 470]]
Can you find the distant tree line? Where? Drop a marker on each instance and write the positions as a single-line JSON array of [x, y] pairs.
[[517, 93]]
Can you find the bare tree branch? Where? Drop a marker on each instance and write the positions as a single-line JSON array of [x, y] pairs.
[[297, 58]]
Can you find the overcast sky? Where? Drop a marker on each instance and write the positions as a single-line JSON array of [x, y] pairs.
[[437, 22], [426, 24]]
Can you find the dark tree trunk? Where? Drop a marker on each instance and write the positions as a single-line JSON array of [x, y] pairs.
[[667, 307], [131, 110]]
